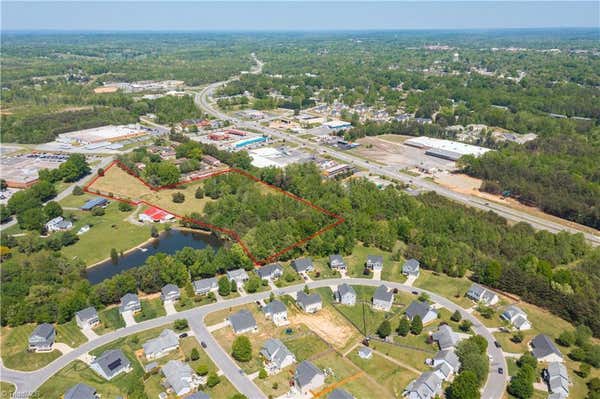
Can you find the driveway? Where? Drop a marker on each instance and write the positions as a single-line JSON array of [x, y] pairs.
[[129, 320], [89, 333], [170, 307]]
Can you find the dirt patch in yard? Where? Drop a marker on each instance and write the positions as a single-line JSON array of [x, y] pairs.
[[106, 89], [327, 325]]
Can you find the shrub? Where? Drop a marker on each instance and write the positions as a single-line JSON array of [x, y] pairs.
[[212, 380], [199, 194], [224, 286], [456, 316], [202, 369], [125, 207], [195, 355], [403, 327], [262, 374], [385, 329], [241, 349], [465, 325], [416, 326], [181, 324], [178, 197], [98, 211], [77, 190]]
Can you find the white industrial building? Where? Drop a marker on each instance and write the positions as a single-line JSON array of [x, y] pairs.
[[445, 149]]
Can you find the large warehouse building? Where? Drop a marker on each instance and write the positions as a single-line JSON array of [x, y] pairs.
[[445, 149], [103, 134]]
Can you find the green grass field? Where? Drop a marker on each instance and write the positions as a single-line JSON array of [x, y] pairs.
[[110, 320], [449, 287], [388, 374], [186, 302], [410, 357], [70, 334], [6, 389], [151, 309]]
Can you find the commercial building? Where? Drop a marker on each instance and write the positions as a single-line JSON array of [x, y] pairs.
[[21, 171], [277, 157], [247, 142], [103, 134], [445, 149], [155, 215]]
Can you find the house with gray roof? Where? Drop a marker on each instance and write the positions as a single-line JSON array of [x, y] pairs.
[[557, 378], [310, 303], [81, 391], [180, 377], [277, 356], [276, 311], [427, 386], [557, 396], [423, 310], [544, 349], [308, 377], [383, 298], [443, 371], [271, 271], [87, 318], [516, 317], [198, 395], [336, 262], [240, 276], [130, 303], [206, 285], [448, 357], [374, 262], [445, 337], [42, 338], [170, 293], [111, 363], [411, 267], [160, 346], [345, 294], [242, 322], [303, 265], [481, 294], [339, 393]]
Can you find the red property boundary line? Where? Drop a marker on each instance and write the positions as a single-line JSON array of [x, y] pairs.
[[234, 235]]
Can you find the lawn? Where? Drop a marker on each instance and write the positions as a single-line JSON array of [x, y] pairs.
[[303, 343], [110, 319], [6, 389], [410, 357], [288, 270], [121, 184], [449, 287], [70, 334], [392, 271], [278, 384], [14, 344], [151, 309], [388, 374], [186, 302], [164, 199], [75, 201], [108, 231], [322, 270]]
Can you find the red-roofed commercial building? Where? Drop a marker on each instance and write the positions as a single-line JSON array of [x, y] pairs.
[[155, 215]]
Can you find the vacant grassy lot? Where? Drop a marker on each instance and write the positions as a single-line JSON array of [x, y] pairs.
[[410, 357], [288, 271], [75, 201], [108, 231], [151, 309], [187, 302], [110, 319], [164, 199], [120, 184], [388, 374], [70, 334], [449, 287]]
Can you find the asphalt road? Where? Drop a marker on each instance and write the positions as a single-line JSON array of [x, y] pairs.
[[202, 100], [28, 382]]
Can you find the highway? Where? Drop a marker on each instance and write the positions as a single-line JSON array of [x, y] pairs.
[[28, 382], [203, 100]]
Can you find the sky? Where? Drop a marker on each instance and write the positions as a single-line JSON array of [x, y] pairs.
[[299, 15]]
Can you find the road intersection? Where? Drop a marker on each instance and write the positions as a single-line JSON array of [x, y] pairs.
[[27, 382]]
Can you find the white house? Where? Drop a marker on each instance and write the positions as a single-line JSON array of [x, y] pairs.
[[303, 265], [240, 276], [111, 363], [445, 363], [310, 303], [422, 309], [270, 272], [130, 303], [87, 318], [42, 338], [517, 317], [336, 262], [276, 311], [277, 356], [427, 386], [345, 295], [180, 377], [482, 295], [170, 293], [383, 298], [308, 377], [374, 262], [557, 378], [58, 224], [242, 322], [445, 337], [160, 346], [206, 285], [411, 268]]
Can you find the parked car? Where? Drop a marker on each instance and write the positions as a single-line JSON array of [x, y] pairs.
[[500, 370], [183, 335], [497, 344], [203, 344]]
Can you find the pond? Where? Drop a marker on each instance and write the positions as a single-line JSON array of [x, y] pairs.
[[168, 242]]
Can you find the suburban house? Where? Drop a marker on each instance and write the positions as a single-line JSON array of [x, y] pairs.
[[198, 395], [111, 363], [308, 377], [445, 337], [87, 318], [157, 347], [58, 224], [81, 391], [427, 386], [277, 356], [303, 265], [482, 294], [242, 322], [130, 303], [383, 299], [339, 393], [310, 303], [445, 363], [345, 294], [557, 378], [42, 338], [276, 311], [375, 262], [155, 215], [170, 293], [206, 285], [517, 317], [411, 267], [423, 310], [544, 349], [336, 262], [180, 377], [93, 203], [240, 276], [270, 272], [364, 352]]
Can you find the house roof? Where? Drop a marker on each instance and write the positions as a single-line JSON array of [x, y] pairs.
[[87, 314], [411, 265], [166, 339], [98, 201], [112, 361], [480, 293], [178, 374], [426, 385], [198, 395], [242, 320], [418, 308], [275, 351], [383, 294], [374, 259], [43, 331], [205, 283], [512, 311], [336, 259], [305, 373], [81, 391], [268, 270], [557, 377], [339, 393], [307, 300], [128, 298], [170, 289], [157, 214], [449, 357], [237, 273], [445, 336], [274, 307], [344, 289], [542, 346], [444, 369], [302, 264]]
